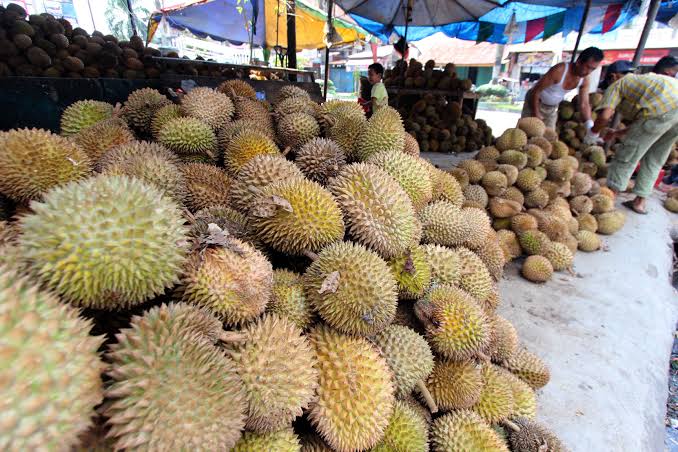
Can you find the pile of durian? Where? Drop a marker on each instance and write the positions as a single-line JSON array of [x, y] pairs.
[[223, 275], [542, 196], [425, 76]]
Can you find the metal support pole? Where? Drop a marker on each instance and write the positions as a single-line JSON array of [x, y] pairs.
[[330, 7], [131, 17], [291, 35], [649, 21], [581, 29]]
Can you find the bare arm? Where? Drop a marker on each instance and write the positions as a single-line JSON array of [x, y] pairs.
[[552, 77], [603, 119], [584, 106]]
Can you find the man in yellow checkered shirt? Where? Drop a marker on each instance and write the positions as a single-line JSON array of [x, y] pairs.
[[649, 103]]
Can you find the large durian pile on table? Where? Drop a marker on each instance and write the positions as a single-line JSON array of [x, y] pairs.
[[543, 197], [223, 274]]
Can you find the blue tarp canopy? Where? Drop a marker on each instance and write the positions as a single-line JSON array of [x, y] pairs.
[[494, 22], [667, 11]]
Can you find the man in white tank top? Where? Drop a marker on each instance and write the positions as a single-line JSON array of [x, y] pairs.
[[543, 99]]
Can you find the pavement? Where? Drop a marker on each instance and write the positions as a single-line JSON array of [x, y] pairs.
[[498, 120], [606, 334]]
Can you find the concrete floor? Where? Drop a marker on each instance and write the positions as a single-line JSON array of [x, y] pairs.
[[498, 120], [606, 335]]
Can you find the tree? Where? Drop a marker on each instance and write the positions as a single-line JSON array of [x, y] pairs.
[[117, 17]]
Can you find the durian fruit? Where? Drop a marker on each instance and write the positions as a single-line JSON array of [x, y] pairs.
[[496, 398], [279, 372], [503, 208], [291, 91], [444, 224], [297, 129], [581, 204], [140, 106], [559, 170], [149, 162], [382, 132], [610, 222], [464, 430], [229, 220], [162, 116], [509, 243], [284, 440], [229, 277], [445, 264], [533, 127], [410, 173], [474, 169], [208, 105], [206, 185], [475, 196], [34, 161], [533, 242], [528, 180], [289, 300], [237, 88], [189, 136], [82, 114], [51, 368], [456, 326], [352, 289], [314, 443], [479, 225], [543, 143], [537, 198], [524, 397], [474, 277], [488, 153], [103, 136], [523, 222], [559, 255], [559, 151], [256, 174], [504, 341], [601, 204], [253, 111], [320, 160], [377, 211], [550, 134], [515, 195], [158, 354], [232, 129], [511, 139], [407, 431], [455, 385], [355, 393], [494, 182], [537, 268], [99, 220], [492, 255], [529, 368], [511, 173], [671, 204], [596, 154], [345, 131], [531, 436], [535, 155], [461, 175], [244, 146], [411, 146], [513, 158], [412, 272], [446, 188], [581, 184], [295, 216], [294, 105], [408, 355]]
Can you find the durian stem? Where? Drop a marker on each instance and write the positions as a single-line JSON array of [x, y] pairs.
[[544, 447], [427, 396], [232, 337], [286, 150], [482, 356], [511, 425], [310, 254]]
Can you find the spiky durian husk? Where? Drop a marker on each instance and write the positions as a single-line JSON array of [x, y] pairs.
[[407, 431], [335, 109], [99, 220], [443, 224], [209, 106], [610, 222], [33, 161], [496, 398], [456, 326], [149, 162], [411, 146], [281, 441], [51, 368], [445, 264], [291, 91], [296, 215], [189, 136], [352, 289], [382, 132], [314, 443], [293, 105], [255, 110], [529, 367], [464, 430], [206, 185], [157, 355], [229, 220], [320, 160], [492, 256], [410, 173], [289, 300], [475, 196], [279, 371], [447, 188], [140, 106], [377, 210], [257, 174], [296, 129], [533, 436], [504, 342], [474, 276], [537, 269], [82, 114], [162, 116], [455, 385], [234, 128], [103, 136], [244, 146], [345, 131], [233, 280], [237, 88], [355, 393], [524, 397], [412, 272]]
